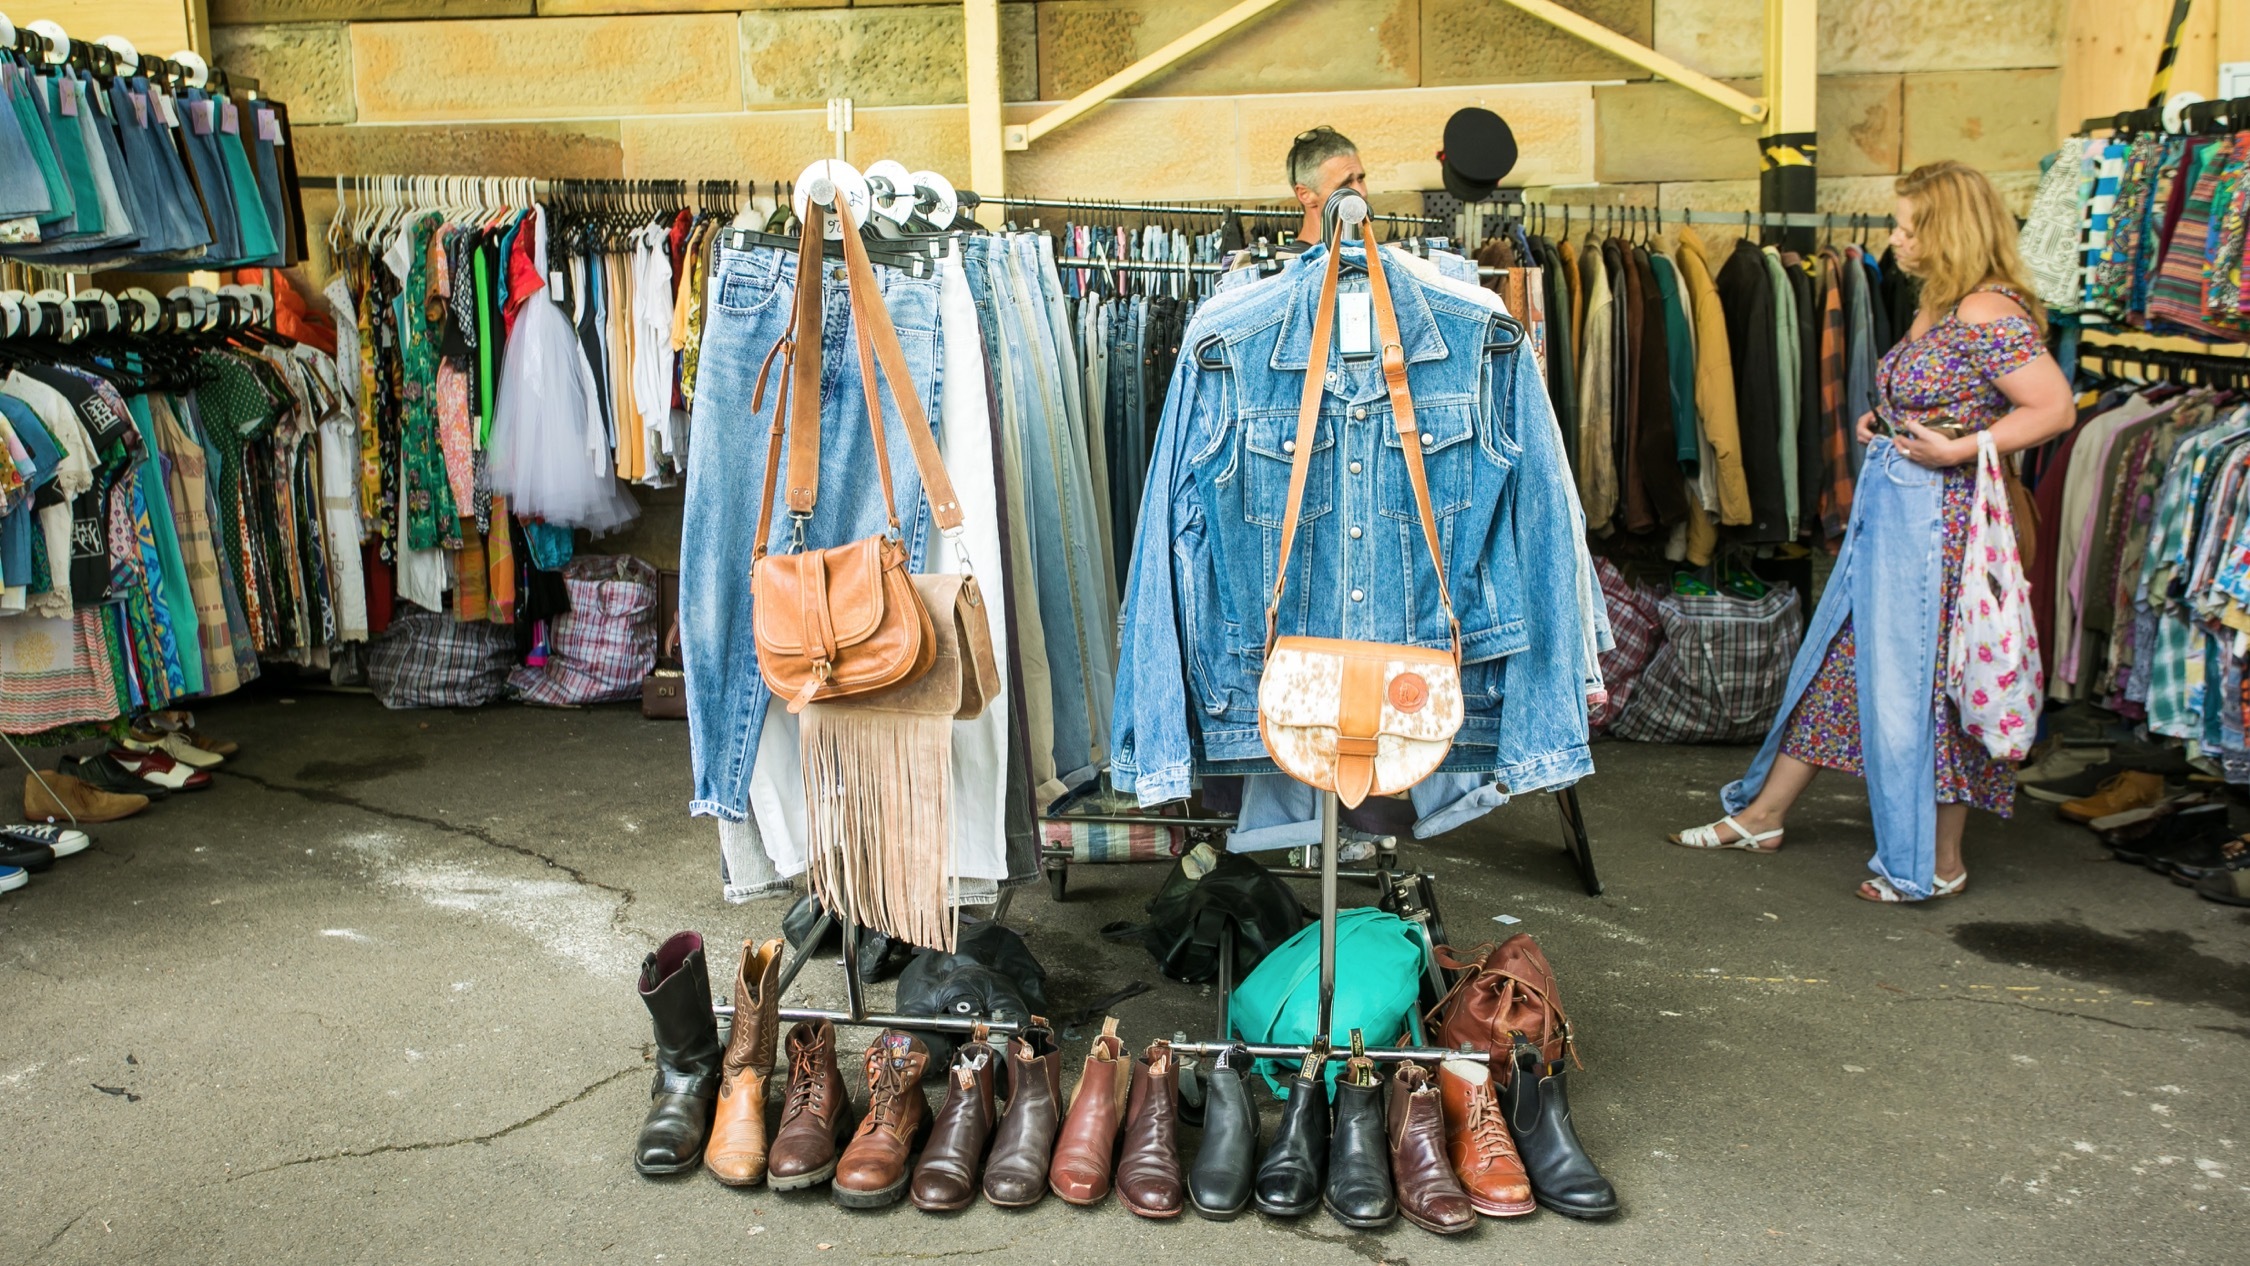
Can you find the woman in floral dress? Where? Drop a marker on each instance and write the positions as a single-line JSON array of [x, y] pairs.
[[1973, 361]]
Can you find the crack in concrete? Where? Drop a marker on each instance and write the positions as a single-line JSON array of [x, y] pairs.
[[27, 968], [56, 1238], [2026, 1006], [957, 1252], [320, 795], [435, 1145]]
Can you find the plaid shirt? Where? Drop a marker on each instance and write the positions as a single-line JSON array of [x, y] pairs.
[[599, 651], [1633, 620], [427, 659], [1721, 672], [1836, 424]]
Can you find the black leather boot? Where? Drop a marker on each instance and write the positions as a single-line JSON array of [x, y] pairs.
[[1359, 1193], [1537, 1102], [1289, 1177], [677, 990], [1219, 1182]]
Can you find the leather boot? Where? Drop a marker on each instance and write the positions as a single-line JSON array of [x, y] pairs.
[[817, 1115], [1289, 1176], [1148, 1164], [58, 797], [1359, 1193], [677, 991], [1428, 1193], [946, 1179], [873, 1171], [1015, 1176], [1477, 1141], [1219, 1182], [736, 1154], [1563, 1177], [1087, 1150]]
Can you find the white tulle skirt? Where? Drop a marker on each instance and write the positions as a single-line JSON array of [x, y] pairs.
[[549, 451]]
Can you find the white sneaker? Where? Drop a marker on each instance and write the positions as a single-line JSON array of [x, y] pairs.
[[2061, 763], [12, 878]]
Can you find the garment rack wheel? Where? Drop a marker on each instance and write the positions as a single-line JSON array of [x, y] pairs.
[[1058, 878], [1574, 840]]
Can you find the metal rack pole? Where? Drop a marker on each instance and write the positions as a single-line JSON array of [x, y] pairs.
[[1328, 852]]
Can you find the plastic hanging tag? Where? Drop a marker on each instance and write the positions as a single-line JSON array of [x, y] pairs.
[[230, 119], [1355, 324]]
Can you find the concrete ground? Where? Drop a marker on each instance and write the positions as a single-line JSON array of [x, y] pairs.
[[370, 1000]]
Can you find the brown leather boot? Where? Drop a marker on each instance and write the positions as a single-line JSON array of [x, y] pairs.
[[1428, 1193], [1148, 1165], [817, 1115], [873, 1171], [945, 1181], [1478, 1144], [53, 797], [1015, 1176], [1088, 1146], [736, 1154]]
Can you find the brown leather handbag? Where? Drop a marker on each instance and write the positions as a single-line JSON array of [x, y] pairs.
[[1503, 990], [833, 623], [1358, 718]]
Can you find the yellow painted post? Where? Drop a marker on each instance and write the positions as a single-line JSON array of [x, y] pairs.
[[987, 154], [1788, 142]]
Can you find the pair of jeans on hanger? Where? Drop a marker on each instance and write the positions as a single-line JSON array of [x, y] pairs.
[[1888, 581]]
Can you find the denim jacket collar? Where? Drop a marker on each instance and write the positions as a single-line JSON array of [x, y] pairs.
[[1417, 328]]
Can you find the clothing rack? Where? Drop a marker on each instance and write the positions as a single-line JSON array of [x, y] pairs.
[[1138, 265], [971, 199], [112, 56], [2209, 368]]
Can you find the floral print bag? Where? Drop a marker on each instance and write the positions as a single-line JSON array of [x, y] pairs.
[[1992, 669]]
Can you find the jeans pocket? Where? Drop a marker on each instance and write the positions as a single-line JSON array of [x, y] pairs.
[[747, 282]]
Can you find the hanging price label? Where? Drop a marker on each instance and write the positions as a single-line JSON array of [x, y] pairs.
[[1355, 324], [230, 119]]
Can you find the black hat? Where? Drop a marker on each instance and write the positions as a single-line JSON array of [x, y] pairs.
[[1479, 151]]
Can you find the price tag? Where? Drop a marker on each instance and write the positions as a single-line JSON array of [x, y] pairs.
[[1355, 324], [230, 119], [202, 116], [269, 127], [66, 96], [166, 110], [140, 108]]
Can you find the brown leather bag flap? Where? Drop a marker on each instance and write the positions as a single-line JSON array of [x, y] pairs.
[[1503, 990], [852, 576]]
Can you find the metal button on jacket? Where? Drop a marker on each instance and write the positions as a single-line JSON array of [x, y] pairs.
[[1355, 533], [1358, 595], [1355, 468]]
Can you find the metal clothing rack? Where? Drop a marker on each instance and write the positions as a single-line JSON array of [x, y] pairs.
[[973, 199], [855, 1014]]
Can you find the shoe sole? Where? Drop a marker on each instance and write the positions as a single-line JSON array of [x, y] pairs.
[[884, 1198], [12, 882], [1435, 1229], [998, 1203], [799, 1182], [1583, 1215], [1359, 1224], [734, 1182], [1506, 1210], [666, 1171], [1283, 1211], [1153, 1215], [956, 1207], [1217, 1215], [1086, 1202]]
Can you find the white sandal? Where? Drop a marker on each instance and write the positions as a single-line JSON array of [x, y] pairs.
[[1888, 895], [1708, 837]]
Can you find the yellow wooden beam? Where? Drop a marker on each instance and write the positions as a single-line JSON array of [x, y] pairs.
[[987, 160], [1792, 66], [1021, 137], [1750, 108]]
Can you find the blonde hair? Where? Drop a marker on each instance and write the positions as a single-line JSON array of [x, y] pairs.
[[1964, 235]]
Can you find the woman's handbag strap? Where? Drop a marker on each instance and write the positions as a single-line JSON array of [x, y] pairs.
[[1402, 417]]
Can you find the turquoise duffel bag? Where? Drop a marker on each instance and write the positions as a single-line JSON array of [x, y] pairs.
[[1378, 989]]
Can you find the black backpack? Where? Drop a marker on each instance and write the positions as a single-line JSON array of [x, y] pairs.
[[1187, 915], [990, 975]]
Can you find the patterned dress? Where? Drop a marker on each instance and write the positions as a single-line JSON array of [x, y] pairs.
[[1944, 376]]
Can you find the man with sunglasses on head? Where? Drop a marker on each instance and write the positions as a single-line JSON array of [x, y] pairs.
[[1321, 162]]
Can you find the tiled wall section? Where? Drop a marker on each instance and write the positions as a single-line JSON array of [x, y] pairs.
[[698, 88]]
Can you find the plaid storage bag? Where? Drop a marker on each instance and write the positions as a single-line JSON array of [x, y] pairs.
[[1722, 669], [602, 649], [428, 659]]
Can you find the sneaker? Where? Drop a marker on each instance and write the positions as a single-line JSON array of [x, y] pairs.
[[177, 746], [2132, 789], [12, 878], [165, 772], [2083, 783], [2062, 763], [30, 857], [60, 840]]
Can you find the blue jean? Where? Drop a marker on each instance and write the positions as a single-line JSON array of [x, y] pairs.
[[1888, 581], [23, 186], [752, 295]]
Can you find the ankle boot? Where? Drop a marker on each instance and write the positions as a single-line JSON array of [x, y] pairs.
[[1478, 1144], [678, 995], [817, 1115], [1087, 1149], [1016, 1175], [1148, 1165], [736, 1154], [58, 797], [1563, 1177], [1219, 1183], [1359, 1193], [1428, 1193], [873, 1170], [1289, 1177], [946, 1179]]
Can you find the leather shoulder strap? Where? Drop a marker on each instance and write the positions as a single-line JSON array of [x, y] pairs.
[[804, 429], [879, 347], [1402, 417]]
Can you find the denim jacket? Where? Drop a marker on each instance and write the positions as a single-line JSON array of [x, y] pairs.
[[1209, 535]]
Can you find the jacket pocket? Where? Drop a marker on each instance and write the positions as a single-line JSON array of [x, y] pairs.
[[1269, 443], [1448, 459]]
